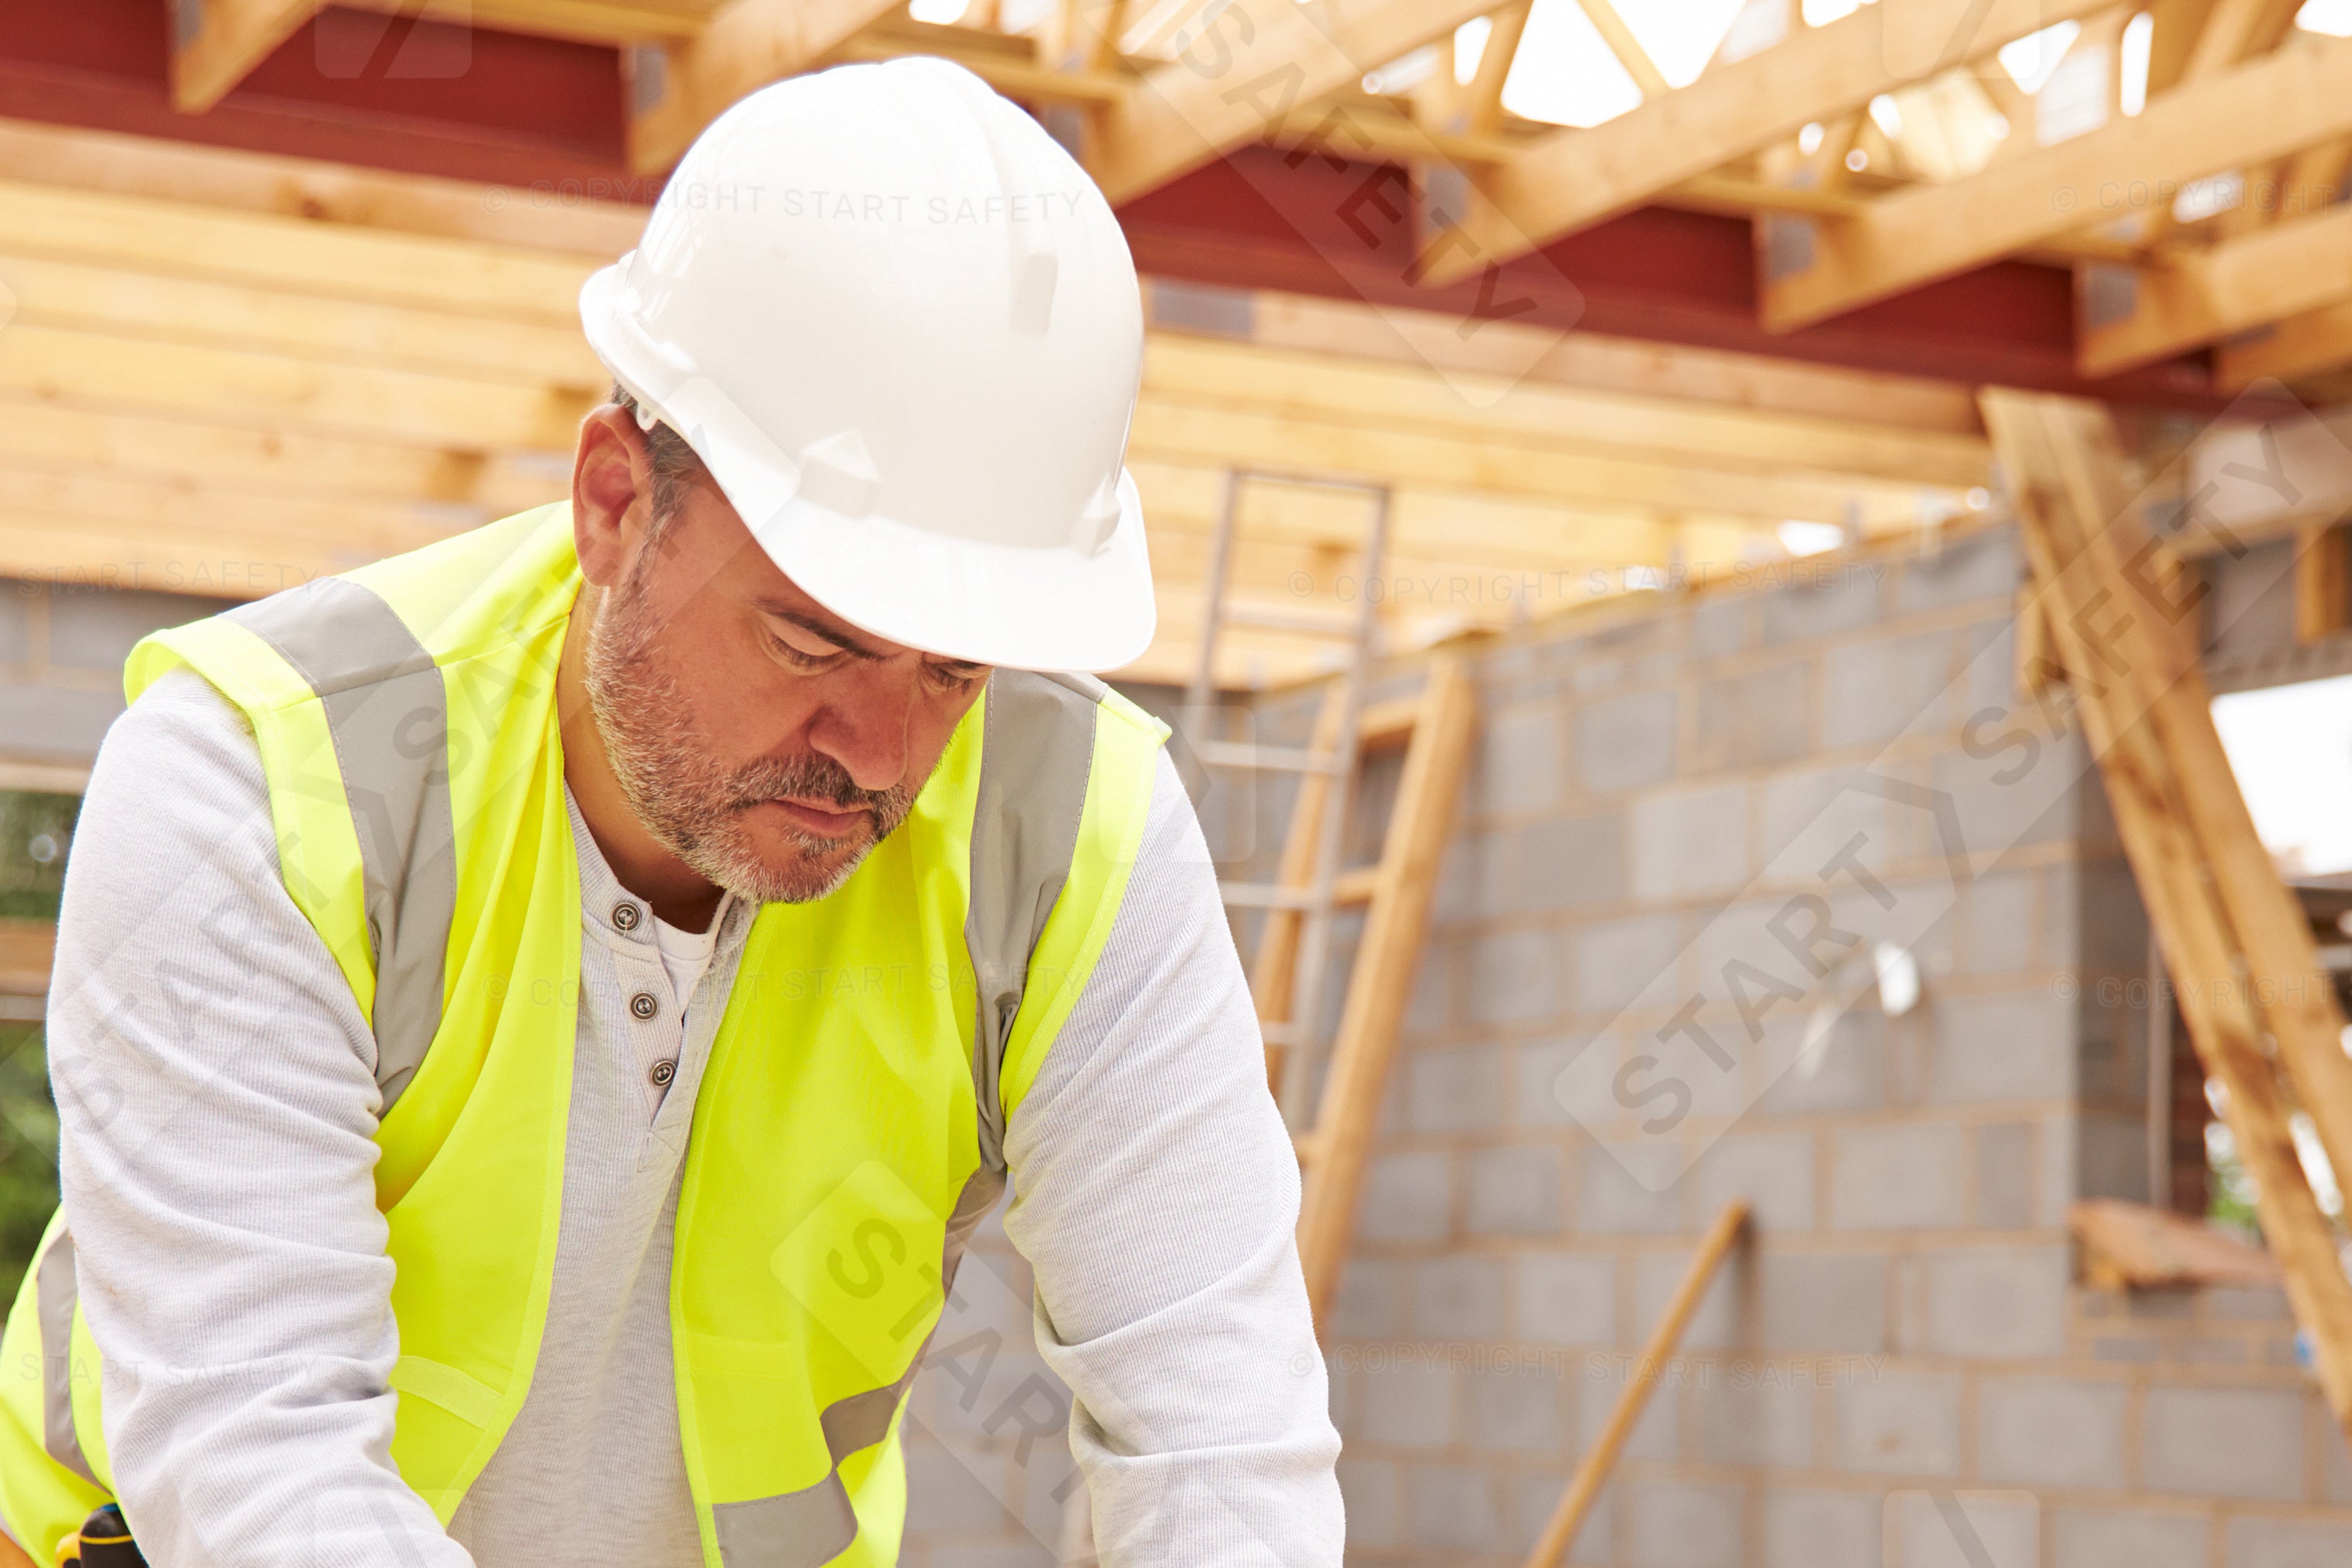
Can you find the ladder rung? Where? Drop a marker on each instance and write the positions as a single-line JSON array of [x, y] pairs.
[[1267, 895], [1305, 623], [1355, 886], [1387, 724], [1286, 759]]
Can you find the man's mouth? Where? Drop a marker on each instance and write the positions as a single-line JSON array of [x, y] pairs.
[[821, 821]]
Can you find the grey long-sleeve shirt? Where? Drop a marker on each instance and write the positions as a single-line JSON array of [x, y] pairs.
[[216, 1084]]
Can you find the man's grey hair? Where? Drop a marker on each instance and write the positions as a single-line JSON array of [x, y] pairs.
[[675, 464]]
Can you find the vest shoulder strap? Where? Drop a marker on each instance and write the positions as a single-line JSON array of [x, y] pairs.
[[1037, 756]]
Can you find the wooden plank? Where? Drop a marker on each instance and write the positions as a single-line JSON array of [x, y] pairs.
[[200, 450], [2271, 106], [1571, 179], [678, 90], [1382, 978], [217, 43], [329, 194], [2300, 346], [2131, 1246], [199, 379], [2145, 706], [321, 260], [91, 297], [1020, 78], [1191, 430], [2191, 298], [1592, 1470], [1625, 46], [1251, 63], [1483, 100], [624, 22], [2323, 581], [1512, 353], [1323, 385], [28, 950]]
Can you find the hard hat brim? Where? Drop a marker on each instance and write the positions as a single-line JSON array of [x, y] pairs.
[[1009, 606]]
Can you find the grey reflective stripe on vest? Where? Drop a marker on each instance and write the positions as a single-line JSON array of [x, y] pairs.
[[816, 1524], [388, 712], [1036, 757], [55, 1289]]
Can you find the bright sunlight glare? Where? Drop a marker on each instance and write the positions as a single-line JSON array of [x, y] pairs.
[[2291, 747]]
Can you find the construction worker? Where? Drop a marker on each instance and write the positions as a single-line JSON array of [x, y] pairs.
[[538, 1020]]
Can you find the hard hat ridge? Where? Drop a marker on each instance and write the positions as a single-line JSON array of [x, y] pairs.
[[902, 329]]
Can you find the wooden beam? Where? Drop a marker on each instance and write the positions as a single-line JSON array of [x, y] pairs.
[[1202, 430], [1572, 179], [2300, 346], [2128, 317], [2222, 33], [183, 239], [1426, 338], [1326, 386], [1380, 981], [678, 90], [328, 196], [1244, 66], [1013, 76], [1625, 46], [2323, 581], [1592, 1471], [2177, 24], [622, 22], [2273, 106], [1484, 94], [216, 44], [2228, 929]]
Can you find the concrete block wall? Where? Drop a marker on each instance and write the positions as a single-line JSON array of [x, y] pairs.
[[61, 653], [1907, 1321]]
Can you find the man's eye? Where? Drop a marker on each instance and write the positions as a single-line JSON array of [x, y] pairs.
[[801, 658], [954, 677]]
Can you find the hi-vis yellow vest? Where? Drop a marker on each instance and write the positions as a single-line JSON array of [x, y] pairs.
[[847, 1134]]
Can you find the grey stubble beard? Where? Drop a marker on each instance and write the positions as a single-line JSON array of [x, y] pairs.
[[691, 804]]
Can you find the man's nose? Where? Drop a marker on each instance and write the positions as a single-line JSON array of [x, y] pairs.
[[866, 727]]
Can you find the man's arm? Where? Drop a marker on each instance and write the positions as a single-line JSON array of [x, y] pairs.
[[217, 1091], [1156, 1196]]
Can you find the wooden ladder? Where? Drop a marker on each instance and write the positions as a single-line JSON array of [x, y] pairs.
[[2237, 944], [1291, 970], [1396, 892]]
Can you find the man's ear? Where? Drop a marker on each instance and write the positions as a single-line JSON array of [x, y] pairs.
[[612, 494]]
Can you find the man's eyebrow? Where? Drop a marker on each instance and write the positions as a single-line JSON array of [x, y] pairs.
[[840, 638], [847, 641]]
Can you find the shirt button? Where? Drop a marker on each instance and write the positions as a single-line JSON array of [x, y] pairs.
[[662, 1073], [625, 915], [645, 1004]]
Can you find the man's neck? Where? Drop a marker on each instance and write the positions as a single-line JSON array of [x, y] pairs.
[[679, 893]]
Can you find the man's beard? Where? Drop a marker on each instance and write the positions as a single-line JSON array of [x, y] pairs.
[[696, 808]]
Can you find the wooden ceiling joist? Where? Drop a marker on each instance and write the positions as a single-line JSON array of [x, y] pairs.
[[217, 43], [1251, 63], [676, 91], [1568, 180], [2137, 316], [2263, 110], [2286, 350]]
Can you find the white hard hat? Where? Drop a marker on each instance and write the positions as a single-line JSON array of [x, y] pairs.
[[901, 328]]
